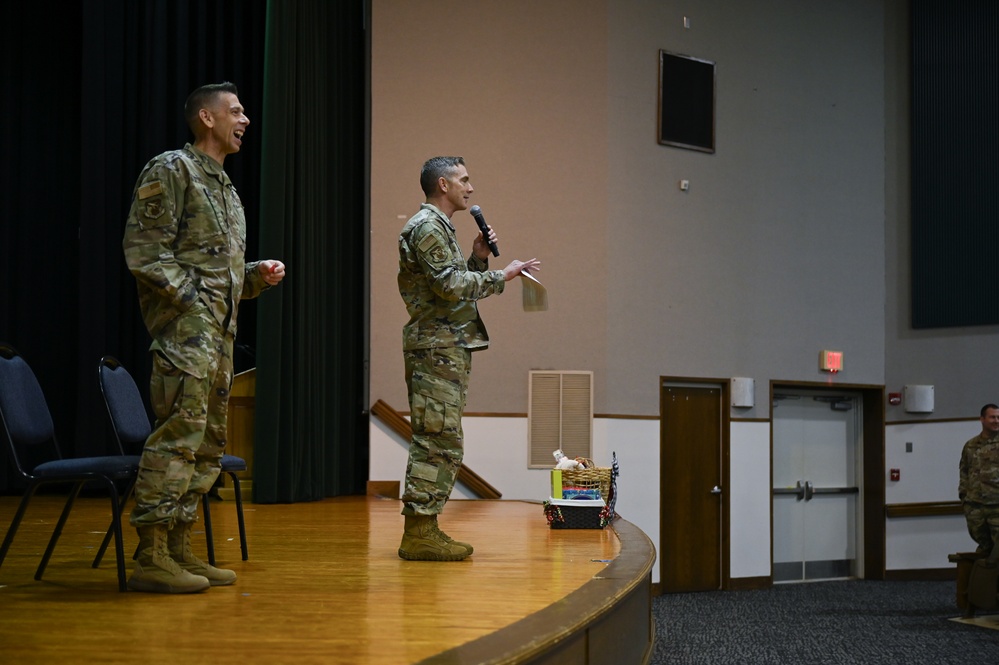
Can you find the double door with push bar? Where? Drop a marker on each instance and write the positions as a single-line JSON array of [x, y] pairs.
[[815, 493]]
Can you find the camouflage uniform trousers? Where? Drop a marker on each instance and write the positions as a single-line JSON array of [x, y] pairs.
[[983, 524], [182, 456], [438, 387]]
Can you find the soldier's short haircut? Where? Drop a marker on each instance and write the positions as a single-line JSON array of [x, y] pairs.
[[202, 98], [434, 168], [987, 407]]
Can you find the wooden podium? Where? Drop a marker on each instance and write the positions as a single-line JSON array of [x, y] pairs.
[[239, 432]]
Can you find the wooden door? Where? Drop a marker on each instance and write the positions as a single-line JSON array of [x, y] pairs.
[[691, 492]]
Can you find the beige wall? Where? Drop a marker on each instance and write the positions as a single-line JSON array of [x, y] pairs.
[[519, 90]]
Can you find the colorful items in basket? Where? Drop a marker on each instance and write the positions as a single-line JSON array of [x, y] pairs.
[[580, 493]]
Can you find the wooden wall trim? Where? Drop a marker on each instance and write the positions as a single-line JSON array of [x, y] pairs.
[[930, 421], [922, 575], [924, 509]]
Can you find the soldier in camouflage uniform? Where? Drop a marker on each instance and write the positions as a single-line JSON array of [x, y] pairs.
[[440, 289], [979, 485], [184, 242]]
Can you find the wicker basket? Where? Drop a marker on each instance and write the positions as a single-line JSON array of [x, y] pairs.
[[598, 478], [576, 514]]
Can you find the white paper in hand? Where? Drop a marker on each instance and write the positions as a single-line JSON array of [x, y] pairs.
[[535, 295]]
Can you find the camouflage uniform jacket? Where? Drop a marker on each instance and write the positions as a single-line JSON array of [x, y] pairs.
[[439, 287], [184, 241], [980, 471]]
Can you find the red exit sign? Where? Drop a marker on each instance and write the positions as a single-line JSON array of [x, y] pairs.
[[831, 361]]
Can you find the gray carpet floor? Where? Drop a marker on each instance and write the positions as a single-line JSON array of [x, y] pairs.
[[837, 622]]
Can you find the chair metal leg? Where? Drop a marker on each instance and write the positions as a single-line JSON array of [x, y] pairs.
[[108, 535], [239, 515], [110, 532], [16, 522], [119, 544], [205, 499], [58, 529], [117, 504]]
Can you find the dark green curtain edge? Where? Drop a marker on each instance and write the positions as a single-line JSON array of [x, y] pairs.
[[311, 434]]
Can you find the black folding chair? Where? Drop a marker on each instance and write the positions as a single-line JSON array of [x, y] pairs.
[[35, 452], [132, 427]]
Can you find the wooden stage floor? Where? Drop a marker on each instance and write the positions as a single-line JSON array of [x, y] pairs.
[[323, 584]]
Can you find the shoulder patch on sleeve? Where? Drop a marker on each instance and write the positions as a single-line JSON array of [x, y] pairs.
[[434, 250], [428, 241], [152, 189]]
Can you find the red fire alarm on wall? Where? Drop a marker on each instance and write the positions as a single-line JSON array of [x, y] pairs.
[[896, 474], [894, 398]]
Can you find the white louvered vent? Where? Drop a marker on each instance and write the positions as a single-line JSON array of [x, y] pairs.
[[560, 416]]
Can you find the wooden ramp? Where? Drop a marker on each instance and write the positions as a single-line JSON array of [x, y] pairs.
[[324, 584]]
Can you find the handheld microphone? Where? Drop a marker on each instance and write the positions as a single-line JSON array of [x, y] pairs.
[[481, 221]]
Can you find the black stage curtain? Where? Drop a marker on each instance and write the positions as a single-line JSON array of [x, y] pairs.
[[87, 100], [40, 180]]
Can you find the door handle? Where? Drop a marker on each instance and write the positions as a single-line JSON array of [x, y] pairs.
[[716, 490], [798, 491], [835, 490]]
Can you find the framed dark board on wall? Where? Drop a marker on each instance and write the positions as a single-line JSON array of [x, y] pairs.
[[686, 102]]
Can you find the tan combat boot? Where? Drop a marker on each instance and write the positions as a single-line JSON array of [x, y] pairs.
[[449, 539], [155, 571], [179, 541], [423, 541]]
